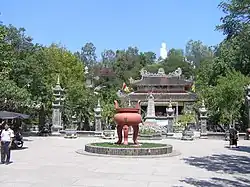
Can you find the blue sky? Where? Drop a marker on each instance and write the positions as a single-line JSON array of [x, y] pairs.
[[111, 24]]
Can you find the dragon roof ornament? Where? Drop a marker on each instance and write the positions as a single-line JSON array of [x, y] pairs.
[[161, 73]]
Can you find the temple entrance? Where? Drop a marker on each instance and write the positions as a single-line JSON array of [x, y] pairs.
[[160, 111]]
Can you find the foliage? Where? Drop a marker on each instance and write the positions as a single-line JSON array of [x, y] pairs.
[[11, 96], [227, 97], [196, 52], [184, 119], [220, 80], [176, 60], [147, 131], [237, 17]]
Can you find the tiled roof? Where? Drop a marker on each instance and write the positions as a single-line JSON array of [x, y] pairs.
[[164, 97]]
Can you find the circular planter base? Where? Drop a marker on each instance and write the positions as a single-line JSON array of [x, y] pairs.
[[145, 149], [83, 152]]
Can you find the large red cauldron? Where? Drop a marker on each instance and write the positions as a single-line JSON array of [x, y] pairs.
[[124, 118]]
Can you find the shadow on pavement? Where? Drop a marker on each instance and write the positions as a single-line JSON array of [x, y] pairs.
[[245, 149], [221, 163], [19, 149], [27, 140], [217, 182]]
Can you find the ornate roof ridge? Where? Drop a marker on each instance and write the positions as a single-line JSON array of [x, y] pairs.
[[160, 73]]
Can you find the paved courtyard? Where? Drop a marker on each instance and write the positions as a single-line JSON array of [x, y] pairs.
[[53, 162]]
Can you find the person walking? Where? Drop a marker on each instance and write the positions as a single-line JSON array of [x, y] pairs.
[[233, 137], [7, 136]]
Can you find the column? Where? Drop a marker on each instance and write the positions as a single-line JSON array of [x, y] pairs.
[[177, 111], [248, 108], [98, 117]]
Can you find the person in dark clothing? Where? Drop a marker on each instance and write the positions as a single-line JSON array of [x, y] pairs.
[[233, 137]]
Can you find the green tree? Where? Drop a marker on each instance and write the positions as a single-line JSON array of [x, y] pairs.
[[234, 50], [236, 19], [196, 52], [177, 60], [227, 97], [108, 58], [13, 98], [88, 54]]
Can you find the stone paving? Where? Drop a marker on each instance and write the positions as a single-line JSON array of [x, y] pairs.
[[53, 162]]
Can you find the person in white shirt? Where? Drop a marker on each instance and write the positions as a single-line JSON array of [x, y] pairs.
[[7, 136]]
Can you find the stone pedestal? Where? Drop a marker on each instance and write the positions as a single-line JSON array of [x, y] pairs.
[[203, 120], [108, 134], [187, 135]]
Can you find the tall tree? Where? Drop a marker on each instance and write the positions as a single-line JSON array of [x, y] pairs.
[[236, 26], [88, 54], [196, 52], [177, 60], [237, 18], [108, 58], [127, 63], [227, 97]]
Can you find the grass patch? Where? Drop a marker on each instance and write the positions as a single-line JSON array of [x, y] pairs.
[[130, 145]]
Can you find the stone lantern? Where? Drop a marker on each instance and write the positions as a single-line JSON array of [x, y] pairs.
[[70, 131], [203, 119], [89, 80], [170, 117]]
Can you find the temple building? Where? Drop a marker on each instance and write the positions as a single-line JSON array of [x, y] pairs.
[[164, 88]]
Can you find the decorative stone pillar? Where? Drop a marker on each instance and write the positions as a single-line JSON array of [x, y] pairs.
[[89, 77], [98, 121], [150, 116], [170, 117], [57, 105], [203, 119]]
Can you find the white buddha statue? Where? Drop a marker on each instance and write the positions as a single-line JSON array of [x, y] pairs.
[[163, 51]]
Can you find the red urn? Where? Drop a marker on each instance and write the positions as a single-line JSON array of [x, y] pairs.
[[124, 118]]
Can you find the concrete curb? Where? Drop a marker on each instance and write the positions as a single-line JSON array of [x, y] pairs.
[[174, 153]]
